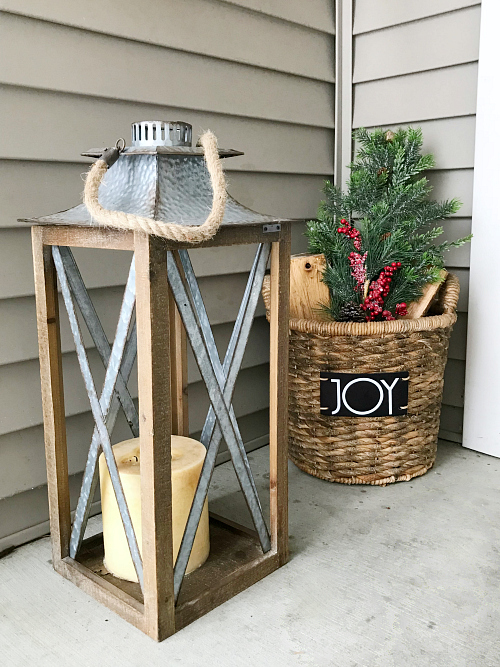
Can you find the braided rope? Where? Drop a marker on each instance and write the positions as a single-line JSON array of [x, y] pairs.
[[167, 230]]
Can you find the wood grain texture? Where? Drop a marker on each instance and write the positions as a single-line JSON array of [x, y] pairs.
[[419, 308], [153, 361], [52, 396], [307, 290], [89, 237], [278, 398]]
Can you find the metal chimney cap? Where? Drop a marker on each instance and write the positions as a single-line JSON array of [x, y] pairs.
[[161, 133]]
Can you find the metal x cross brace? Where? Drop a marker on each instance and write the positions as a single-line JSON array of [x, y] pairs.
[[101, 412], [220, 381]]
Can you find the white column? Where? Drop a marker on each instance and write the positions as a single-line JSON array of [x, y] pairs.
[[482, 384]]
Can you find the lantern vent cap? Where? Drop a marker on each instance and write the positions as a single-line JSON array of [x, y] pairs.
[[161, 133]]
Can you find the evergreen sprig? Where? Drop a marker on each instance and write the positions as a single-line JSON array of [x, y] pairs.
[[388, 201]]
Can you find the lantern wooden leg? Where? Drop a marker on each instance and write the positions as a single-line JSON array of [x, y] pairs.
[[155, 429], [52, 396], [278, 399]]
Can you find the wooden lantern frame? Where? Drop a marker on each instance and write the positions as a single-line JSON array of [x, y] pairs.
[[237, 559]]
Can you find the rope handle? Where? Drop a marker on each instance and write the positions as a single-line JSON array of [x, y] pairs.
[[166, 230]]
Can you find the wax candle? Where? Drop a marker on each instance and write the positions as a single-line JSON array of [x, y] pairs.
[[187, 461]]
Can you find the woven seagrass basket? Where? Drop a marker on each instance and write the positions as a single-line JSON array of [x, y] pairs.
[[369, 450]]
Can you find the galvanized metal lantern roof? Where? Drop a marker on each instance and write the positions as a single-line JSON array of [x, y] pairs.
[[161, 176]]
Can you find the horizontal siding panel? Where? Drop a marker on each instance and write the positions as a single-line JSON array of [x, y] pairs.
[[19, 335], [16, 265], [250, 395], [66, 125], [456, 228], [21, 400], [30, 189], [18, 324], [84, 63], [317, 14], [424, 96], [450, 140], [282, 195], [449, 39], [458, 340], [151, 22], [370, 15], [453, 183], [23, 454], [25, 516], [454, 380], [222, 291], [222, 31]]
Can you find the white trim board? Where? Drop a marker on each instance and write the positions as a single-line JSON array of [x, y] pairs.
[[482, 381]]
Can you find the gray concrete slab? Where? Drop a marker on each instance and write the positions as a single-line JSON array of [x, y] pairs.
[[403, 576]]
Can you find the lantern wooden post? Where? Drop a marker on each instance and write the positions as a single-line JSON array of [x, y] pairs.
[[153, 358], [278, 394], [49, 339]]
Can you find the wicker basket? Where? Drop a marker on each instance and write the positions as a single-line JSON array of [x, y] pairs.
[[364, 450]]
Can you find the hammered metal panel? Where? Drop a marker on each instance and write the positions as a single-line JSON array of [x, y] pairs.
[[169, 188], [185, 194]]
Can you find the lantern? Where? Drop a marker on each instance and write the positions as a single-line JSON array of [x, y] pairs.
[[161, 177]]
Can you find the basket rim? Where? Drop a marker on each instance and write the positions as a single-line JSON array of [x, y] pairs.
[[446, 319]]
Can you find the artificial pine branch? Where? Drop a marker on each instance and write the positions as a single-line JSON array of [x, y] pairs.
[[386, 206]]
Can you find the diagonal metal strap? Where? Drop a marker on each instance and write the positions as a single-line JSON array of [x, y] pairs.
[[215, 389], [96, 330], [123, 354], [241, 331], [90, 475], [211, 435], [252, 291], [98, 415]]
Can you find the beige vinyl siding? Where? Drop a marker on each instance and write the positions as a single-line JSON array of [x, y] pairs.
[[415, 63], [259, 74]]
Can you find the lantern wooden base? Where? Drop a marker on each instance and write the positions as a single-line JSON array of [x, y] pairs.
[[236, 558], [235, 562]]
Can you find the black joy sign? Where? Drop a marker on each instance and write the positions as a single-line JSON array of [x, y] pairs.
[[374, 395]]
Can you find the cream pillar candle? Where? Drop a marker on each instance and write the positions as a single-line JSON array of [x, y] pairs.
[[187, 461]]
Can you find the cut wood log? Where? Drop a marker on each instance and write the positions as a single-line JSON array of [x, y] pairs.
[[419, 308], [307, 291]]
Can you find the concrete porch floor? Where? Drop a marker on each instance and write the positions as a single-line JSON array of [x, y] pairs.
[[407, 575]]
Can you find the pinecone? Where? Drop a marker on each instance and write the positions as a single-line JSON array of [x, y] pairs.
[[351, 312]]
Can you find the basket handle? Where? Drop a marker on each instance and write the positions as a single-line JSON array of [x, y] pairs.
[[451, 292]]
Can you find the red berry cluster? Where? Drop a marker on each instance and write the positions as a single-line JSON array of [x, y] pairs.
[[401, 309], [378, 290], [351, 232], [358, 267]]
